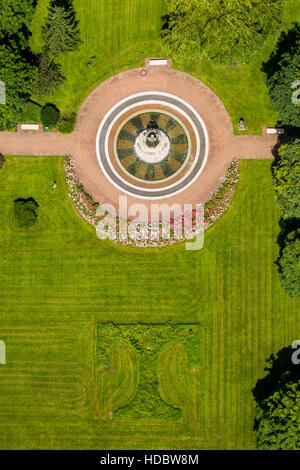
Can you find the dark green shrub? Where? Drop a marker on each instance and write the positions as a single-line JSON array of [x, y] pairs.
[[26, 212], [289, 264], [286, 171], [50, 115], [2, 161], [66, 126]]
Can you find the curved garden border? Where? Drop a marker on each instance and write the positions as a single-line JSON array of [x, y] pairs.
[[213, 209]]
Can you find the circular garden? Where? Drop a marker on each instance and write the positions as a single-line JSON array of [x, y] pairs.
[[152, 145]]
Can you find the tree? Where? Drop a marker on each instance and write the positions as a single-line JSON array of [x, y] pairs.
[[289, 264], [278, 416], [287, 179], [277, 395], [17, 69], [26, 212], [220, 30], [60, 32], [49, 76], [18, 76], [279, 419], [16, 15], [50, 115], [282, 70]]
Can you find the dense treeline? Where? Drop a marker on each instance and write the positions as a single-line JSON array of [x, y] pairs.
[[17, 65], [283, 77], [286, 173], [287, 179], [277, 415], [283, 80], [22, 72]]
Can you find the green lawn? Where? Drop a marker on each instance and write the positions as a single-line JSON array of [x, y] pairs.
[[58, 281], [31, 113], [121, 33]]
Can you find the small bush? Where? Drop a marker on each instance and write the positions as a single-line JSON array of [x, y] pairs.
[[66, 126], [50, 115], [26, 212], [2, 161]]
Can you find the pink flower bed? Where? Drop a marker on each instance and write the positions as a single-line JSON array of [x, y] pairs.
[[213, 210]]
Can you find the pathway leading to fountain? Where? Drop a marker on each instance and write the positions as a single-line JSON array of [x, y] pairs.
[[223, 144]]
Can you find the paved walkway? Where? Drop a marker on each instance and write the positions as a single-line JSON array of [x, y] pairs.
[[223, 144]]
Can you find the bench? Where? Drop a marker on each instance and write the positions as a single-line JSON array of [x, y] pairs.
[[30, 127], [275, 130], [158, 62]]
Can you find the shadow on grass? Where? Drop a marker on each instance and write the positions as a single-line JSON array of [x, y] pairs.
[[290, 134], [286, 226], [280, 368], [281, 140], [288, 42]]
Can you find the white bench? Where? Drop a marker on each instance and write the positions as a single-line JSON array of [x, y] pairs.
[[30, 127], [158, 62], [275, 130]]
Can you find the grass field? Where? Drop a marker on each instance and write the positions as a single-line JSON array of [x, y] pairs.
[[121, 33], [58, 281]]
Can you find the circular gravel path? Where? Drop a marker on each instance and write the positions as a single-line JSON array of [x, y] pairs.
[[153, 98], [223, 144]]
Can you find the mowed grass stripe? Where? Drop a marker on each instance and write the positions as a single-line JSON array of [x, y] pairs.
[[227, 338], [254, 320], [48, 387], [61, 274], [119, 33]]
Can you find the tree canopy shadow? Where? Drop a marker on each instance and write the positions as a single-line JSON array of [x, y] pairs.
[[19, 41], [286, 226], [281, 140], [164, 24], [66, 4], [279, 368], [287, 42]]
